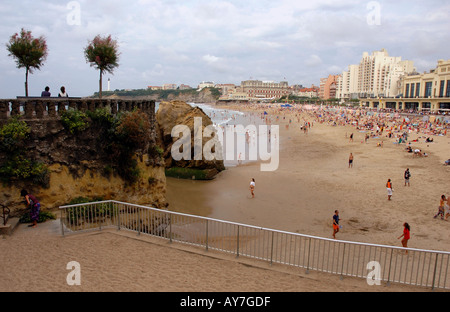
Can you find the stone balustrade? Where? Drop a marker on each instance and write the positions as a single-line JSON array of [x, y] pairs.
[[50, 108]]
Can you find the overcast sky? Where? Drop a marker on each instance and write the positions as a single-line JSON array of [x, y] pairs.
[[171, 41]]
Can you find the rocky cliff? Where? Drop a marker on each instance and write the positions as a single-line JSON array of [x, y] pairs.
[[171, 114], [94, 161]]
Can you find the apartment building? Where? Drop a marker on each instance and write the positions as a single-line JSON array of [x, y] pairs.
[[377, 75], [328, 87]]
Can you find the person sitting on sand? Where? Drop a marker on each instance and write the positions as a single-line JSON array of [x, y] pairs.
[[418, 152]]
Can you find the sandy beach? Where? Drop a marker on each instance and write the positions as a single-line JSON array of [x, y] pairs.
[[35, 260], [313, 180]]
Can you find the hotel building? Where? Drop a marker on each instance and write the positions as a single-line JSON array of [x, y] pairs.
[[256, 89], [421, 92], [377, 75]]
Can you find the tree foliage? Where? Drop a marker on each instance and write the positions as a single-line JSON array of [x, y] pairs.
[[29, 52], [103, 54]]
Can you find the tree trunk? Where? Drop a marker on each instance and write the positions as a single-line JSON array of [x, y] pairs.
[[26, 82], [100, 84]]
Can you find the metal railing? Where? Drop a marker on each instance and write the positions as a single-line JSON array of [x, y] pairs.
[[5, 214], [425, 268]]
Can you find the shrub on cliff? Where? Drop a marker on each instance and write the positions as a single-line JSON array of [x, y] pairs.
[[16, 164], [74, 120], [13, 135], [133, 130]]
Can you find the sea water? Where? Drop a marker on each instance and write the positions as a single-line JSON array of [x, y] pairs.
[[246, 130]]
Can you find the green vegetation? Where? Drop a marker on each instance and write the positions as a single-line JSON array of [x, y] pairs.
[[74, 120], [160, 94], [92, 213], [43, 216], [16, 164], [187, 173]]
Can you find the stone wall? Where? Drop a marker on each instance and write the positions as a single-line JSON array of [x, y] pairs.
[[77, 162], [39, 108]]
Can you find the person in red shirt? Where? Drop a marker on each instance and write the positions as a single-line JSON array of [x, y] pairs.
[[406, 235]]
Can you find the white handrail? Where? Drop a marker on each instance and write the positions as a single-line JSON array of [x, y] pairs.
[[312, 259]]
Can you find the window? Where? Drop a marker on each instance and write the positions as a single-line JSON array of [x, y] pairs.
[[448, 89], [407, 90], [428, 89], [441, 89], [418, 89], [412, 90]]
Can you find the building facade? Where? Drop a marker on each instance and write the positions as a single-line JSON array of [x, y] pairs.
[[328, 87], [377, 75], [420, 92], [256, 89]]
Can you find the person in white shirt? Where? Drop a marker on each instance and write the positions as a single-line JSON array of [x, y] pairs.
[[63, 92], [252, 188]]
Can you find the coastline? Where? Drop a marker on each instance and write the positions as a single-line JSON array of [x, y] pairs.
[[313, 180]]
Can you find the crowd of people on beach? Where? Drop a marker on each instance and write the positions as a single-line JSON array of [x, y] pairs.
[[397, 125]]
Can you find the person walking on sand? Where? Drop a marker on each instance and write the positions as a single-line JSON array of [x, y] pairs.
[[34, 205], [447, 208], [336, 225], [407, 176], [389, 188], [441, 209], [406, 235], [350, 161], [252, 187]]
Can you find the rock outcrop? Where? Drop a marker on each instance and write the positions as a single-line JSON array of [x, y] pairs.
[[171, 114]]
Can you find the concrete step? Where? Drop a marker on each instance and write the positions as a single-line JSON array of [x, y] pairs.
[[10, 226]]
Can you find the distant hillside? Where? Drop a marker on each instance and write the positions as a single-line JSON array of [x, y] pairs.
[[207, 95]]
